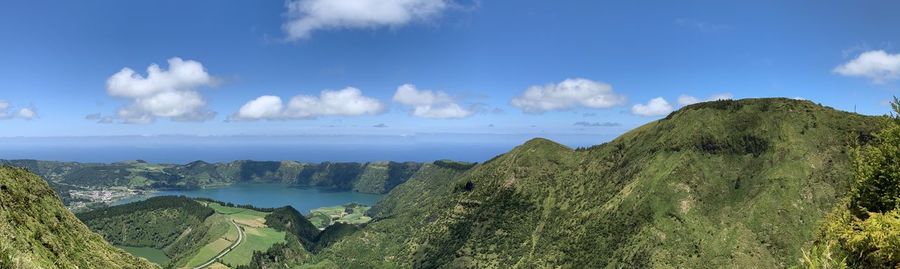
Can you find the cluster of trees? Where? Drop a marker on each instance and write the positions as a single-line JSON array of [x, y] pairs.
[[291, 221], [230, 204], [455, 164], [865, 231], [155, 223]]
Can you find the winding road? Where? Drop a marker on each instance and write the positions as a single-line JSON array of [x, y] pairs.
[[225, 251]]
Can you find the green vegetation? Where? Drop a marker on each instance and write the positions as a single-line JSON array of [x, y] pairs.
[[151, 254], [126, 177], [257, 239], [718, 184], [179, 232], [351, 213], [222, 234], [289, 220], [743, 184], [156, 222], [38, 232], [397, 219], [864, 231]]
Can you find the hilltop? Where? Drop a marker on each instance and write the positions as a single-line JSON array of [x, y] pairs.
[[38, 232], [718, 184]]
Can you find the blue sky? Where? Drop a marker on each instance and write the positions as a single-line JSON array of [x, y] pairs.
[[595, 67]]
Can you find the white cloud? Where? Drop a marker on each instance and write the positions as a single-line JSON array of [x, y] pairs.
[[4, 109], [689, 100], [7, 111], [262, 107], [570, 93], [430, 104], [307, 16], [26, 113], [656, 107], [346, 102], [168, 93], [876, 65]]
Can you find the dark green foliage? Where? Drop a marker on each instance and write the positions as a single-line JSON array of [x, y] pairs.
[[230, 204], [155, 222], [333, 233], [291, 221], [878, 174], [290, 252], [252, 170], [866, 229], [399, 173], [454, 164], [38, 232], [739, 145]]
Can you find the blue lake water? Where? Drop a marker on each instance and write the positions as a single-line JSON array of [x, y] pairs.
[[271, 195]]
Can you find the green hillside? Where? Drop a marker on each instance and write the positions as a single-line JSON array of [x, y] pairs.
[[180, 232], [719, 184], [755, 183], [38, 232], [156, 222]]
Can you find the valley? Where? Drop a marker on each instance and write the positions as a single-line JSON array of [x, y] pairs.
[[85, 186], [749, 184]]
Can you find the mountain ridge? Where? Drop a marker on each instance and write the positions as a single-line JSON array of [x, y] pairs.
[[725, 183], [39, 232]]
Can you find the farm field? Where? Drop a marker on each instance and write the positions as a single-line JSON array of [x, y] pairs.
[[257, 237], [350, 213]]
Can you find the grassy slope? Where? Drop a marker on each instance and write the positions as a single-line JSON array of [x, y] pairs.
[[719, 184], [38, 232], [258, 236], [221, 234], [151, 254], [398, 218]]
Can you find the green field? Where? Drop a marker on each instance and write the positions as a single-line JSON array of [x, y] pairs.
[[257, 236], [255, 239], [151, 254], [226, 233], [350, 213]]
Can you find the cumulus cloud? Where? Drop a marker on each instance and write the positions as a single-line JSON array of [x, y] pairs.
[[7, 111], [877, 65], [430, 104], [26, 113], [597, 124], [171, 93], [689, 100], [307, 16], [345, 102], [570, 93], [656, 107]]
